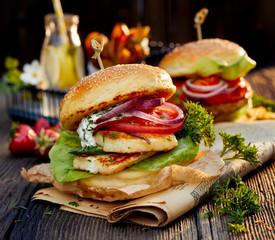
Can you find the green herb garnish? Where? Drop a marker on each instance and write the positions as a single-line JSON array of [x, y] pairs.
[[11, 78], [91, 150], [207, 214], [90, 123], [113, 136], [198, 124], [258, 101], [119, 116], [49, 213], [20, 207], [236, 228], [19, 220], [236, 202], [235, 143], [74, 204]]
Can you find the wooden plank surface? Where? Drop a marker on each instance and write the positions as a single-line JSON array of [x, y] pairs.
[[22, 219]]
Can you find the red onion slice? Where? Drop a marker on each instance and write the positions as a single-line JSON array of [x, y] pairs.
[[190, 85], [141, 137], [204, 95], [151, 118], [229, 90], [148, 104], [121, 108]]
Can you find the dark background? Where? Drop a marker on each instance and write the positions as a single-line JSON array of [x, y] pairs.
[[250, 23]]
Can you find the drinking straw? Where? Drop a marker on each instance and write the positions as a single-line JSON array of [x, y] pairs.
[[60, 17]]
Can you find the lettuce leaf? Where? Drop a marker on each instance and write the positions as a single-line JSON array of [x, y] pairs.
[[239, 68], [230, 71], [185, 151], [62, 159]]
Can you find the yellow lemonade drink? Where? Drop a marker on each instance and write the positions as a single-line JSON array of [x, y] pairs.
[[63, 65], [62, 56]]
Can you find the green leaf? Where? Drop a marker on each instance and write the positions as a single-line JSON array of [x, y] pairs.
[[49, 213], [235, 143], [185, 151], [74, 204], [229, 70], [13, 76], [5, 88], [20, 207], [62, 159], [239, 68], [237, 202], [91, 150], [258, 101], [236, 228], [207, 214], [11, 63], [198, 124]]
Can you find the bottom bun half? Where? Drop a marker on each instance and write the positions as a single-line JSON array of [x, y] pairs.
[[132, 184]]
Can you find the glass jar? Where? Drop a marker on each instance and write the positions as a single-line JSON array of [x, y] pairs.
[[62, 54]]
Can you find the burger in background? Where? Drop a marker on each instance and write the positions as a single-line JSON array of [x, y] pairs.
[[212, 71]]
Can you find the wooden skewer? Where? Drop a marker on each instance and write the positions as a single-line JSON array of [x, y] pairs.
[[199, 20], [98, 48]]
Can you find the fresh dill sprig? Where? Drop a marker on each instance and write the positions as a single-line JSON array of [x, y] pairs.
[[236, 202], [235, 143], [74, 204], [88, 150], [198, 124], [49, 213]]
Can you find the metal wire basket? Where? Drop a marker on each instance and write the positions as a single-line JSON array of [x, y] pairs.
[[31, 104]]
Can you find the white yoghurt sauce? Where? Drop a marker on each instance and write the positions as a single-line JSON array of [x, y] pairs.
[[87, 125], [85, 130]]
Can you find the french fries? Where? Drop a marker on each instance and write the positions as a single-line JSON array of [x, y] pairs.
[[125, 45]]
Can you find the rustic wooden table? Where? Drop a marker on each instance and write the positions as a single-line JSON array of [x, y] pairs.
[[20, 218]]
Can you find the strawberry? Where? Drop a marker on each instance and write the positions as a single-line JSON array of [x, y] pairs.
[[22, 141], [40, 124], [44, 143]]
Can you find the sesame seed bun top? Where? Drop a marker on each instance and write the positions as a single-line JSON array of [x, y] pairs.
[[180, 62], [111, 86]]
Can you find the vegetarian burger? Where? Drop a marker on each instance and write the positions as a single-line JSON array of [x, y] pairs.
[[118, 140], [214, 71]]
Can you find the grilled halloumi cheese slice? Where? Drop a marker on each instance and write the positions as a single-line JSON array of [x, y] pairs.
[[120, 142], [108, 163]]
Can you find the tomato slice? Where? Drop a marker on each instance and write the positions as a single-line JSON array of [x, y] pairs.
[[138, 125], [242, 88], [143, 126], [163, 111], [207, 81], [241, 85], [179, 97]]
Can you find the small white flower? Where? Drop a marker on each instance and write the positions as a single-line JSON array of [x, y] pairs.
[[32, 73]]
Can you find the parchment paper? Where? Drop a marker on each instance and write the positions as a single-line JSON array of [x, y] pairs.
[[161, 208]]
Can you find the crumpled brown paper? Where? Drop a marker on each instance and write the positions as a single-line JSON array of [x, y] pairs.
[[164, 206]]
